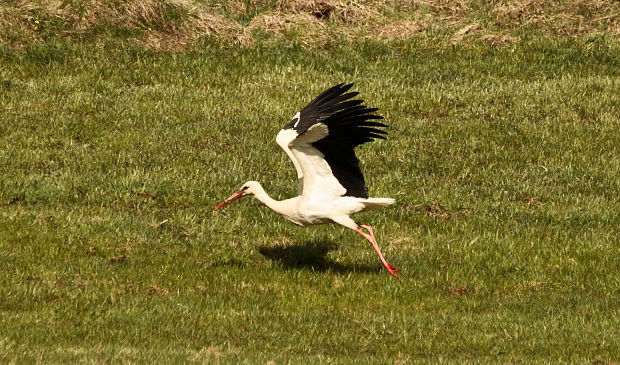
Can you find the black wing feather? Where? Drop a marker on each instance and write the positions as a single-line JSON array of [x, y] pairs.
[[350, 124]]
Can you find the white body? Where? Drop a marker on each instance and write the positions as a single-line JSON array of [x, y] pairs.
[[306, 212]]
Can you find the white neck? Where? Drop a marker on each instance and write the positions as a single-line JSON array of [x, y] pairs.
[[278, 206]]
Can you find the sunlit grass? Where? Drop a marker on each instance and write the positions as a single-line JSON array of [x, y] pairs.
[[504, 163]]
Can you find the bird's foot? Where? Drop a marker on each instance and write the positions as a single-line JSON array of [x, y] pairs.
[[391, 269]]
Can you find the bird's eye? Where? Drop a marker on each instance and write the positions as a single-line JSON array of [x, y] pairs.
[[245, 188]]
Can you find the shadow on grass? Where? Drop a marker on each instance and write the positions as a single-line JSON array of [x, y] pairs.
[[311, 256]]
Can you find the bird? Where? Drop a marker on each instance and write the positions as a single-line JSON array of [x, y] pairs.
[[320, 140]]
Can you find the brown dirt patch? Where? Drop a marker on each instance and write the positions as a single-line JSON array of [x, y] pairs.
[[116, 260], [436, 211], [459, 290]]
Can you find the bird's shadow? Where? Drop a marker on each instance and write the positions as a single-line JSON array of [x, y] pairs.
[[311, 256]]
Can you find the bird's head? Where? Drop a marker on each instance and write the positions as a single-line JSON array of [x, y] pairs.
[[249, 188]]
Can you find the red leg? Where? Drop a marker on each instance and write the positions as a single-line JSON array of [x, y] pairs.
[[373, 241]]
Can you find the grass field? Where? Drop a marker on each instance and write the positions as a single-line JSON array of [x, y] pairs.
[[123, 125]]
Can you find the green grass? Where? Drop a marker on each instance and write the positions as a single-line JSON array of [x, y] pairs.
[[504, 162]]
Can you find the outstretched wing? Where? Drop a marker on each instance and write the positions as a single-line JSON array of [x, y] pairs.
[[321, 139]]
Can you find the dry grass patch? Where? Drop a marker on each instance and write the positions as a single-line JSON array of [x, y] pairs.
[[492, 23], [346, 12], [177, 24], [164, 24], [317, 23], [566, 19], [461, 33], [400, 30], [188, 32], [499, 22], [278, 24]]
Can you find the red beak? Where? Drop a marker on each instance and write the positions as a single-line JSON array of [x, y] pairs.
[[231, 198]]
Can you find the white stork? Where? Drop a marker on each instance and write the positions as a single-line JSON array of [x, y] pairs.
[[320, 140]]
